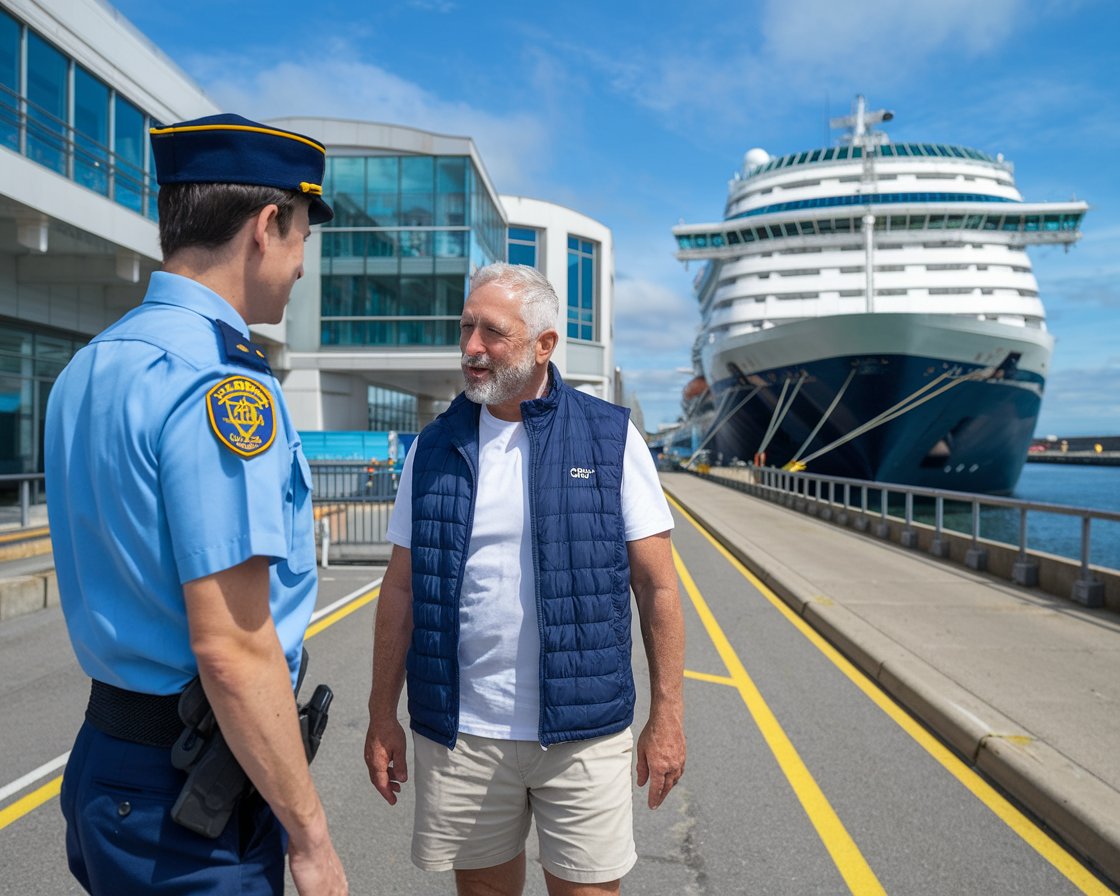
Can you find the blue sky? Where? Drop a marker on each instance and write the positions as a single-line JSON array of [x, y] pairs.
[[638, 114]]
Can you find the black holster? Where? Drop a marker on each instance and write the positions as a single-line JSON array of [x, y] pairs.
[[215, 780]]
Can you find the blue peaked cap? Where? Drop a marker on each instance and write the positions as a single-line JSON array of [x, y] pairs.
[[229, 149]]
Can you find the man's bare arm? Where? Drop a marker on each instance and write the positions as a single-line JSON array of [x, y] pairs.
[[246, 679], [386, 748], [661, 745]]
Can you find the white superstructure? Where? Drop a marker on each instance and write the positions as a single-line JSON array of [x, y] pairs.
[[932, 231]]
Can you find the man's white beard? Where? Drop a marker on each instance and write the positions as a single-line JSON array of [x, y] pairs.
[[506, 381]]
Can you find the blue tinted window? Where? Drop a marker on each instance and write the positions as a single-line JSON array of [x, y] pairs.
[[129, 140], [417, 181], [9, 81], [451, 192], [47, 101], [91, 131], [521, 254], [581, 288], [523, 246]]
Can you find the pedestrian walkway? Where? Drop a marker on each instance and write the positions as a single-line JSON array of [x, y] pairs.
[[1023, 684]]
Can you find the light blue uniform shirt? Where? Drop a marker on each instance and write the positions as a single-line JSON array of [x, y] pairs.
[[154, 480]]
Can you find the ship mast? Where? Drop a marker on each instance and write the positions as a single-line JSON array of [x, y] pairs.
[[860, 134]]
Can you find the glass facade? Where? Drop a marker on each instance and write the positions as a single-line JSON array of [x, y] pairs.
[[63, 117], [30, 361], [582, 263], [395, 260], [10, 39], [394, 411], [524, 246]]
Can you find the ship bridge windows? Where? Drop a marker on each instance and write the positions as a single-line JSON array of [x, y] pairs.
[[1055, 223]]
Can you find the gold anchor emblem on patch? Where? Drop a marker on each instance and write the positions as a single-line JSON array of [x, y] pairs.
[[242, 415]]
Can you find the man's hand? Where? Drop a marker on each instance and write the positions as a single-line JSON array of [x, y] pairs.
[[316, 868], [386, 758], [661, 753]]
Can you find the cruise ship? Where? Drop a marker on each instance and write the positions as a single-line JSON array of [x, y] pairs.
[[868, 310]]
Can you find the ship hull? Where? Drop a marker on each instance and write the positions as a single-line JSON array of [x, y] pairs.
[[964, 395]]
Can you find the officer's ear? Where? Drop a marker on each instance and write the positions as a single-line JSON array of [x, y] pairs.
[[264, 225]]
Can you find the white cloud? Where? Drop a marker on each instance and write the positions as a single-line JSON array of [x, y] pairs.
[[340, 84], [1081, 402], [816, 36]]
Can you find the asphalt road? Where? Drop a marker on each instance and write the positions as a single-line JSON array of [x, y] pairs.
[[802, 777]]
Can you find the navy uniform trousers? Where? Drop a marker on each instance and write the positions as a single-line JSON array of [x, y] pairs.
[[120, 839]]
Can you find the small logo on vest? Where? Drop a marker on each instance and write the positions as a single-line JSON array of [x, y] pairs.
[[580, 473]]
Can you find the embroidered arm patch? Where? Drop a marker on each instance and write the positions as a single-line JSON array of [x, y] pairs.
[[242, 415]]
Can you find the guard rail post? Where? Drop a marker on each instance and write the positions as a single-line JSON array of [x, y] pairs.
[[883, 529], [976, 557], [909, 533], [940, 545], [863, 521], [1087, 590], [1025, 569]]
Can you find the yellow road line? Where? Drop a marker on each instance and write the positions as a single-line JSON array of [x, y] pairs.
[[849, 861], [1052, 851], [342, 612], [51, 789], [30, 802]]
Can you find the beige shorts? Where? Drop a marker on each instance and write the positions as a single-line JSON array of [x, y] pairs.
[[474, 805]]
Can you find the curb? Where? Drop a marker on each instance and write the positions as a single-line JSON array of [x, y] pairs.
[[1076, 805]]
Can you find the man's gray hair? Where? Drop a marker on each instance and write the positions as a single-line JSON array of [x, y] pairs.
[[540, 306]]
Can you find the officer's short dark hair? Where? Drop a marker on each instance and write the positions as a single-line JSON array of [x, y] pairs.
[[209, 215]]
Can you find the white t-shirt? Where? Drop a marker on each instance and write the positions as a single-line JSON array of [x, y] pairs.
[[499, 642]]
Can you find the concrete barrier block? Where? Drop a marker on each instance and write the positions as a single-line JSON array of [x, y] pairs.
[[24, 594], [50, 586]]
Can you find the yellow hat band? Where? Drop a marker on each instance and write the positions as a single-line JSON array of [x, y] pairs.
[[159, 132]]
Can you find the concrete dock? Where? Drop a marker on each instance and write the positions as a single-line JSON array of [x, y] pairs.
[[1024, 685]]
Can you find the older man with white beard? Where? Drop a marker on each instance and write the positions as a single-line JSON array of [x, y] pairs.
[[526, 513]]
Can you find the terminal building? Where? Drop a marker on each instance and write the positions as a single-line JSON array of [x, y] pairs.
[[370, 339]]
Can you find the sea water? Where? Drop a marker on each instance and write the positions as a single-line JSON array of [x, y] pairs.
[[1073, 485], [1070, 485]]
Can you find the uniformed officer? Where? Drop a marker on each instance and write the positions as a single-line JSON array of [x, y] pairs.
[[180, 513]]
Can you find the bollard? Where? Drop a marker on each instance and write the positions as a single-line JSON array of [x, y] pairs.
[[325, 542]]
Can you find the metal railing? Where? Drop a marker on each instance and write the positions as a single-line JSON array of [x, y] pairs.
[[872, 501], [27, 486], [353, 502], [44, 138]]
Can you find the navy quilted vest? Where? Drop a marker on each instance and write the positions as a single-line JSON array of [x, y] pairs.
[[582, 573]]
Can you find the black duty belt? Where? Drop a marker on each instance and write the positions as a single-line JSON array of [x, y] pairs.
[[149, 719]]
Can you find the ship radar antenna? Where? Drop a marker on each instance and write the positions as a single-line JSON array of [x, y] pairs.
[[859, 124], [861, 134]]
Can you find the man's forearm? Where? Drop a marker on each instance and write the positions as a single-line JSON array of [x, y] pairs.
[[391, 638], [662, 625], [246, 679]]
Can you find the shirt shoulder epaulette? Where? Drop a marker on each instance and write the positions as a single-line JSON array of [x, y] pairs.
[[238, 350]]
